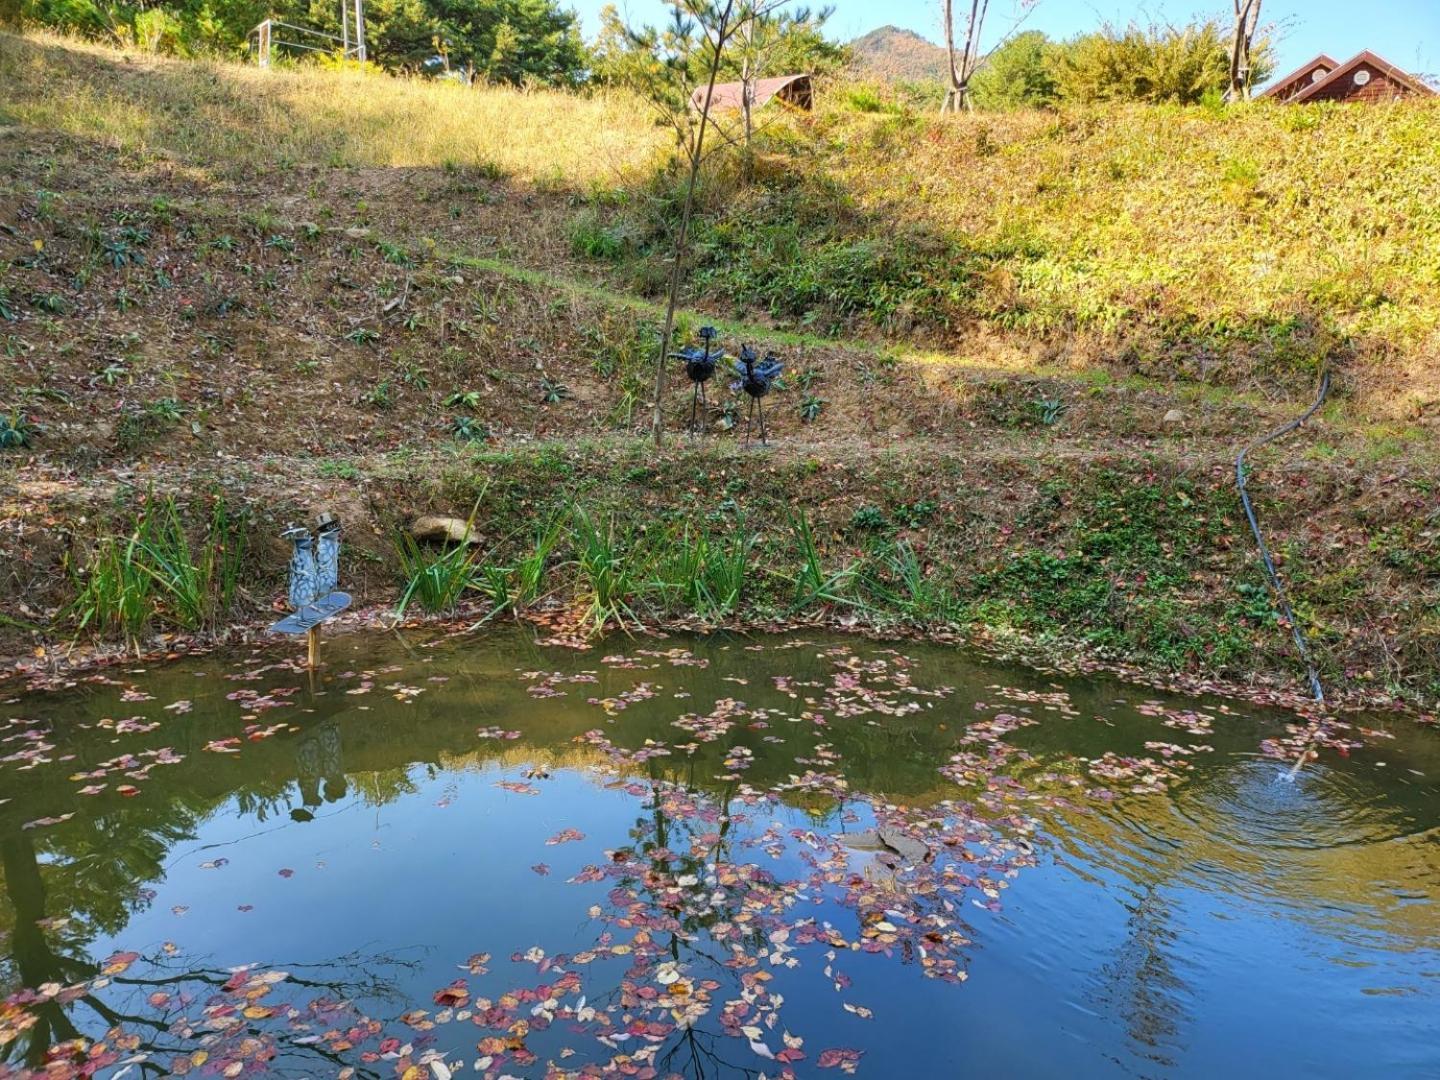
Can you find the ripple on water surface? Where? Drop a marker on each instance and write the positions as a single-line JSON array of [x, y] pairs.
[[700, 857]]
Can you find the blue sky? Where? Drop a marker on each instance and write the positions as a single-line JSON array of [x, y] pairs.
[[1406, 32]]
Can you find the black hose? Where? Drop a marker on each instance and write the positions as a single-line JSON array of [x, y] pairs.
[[1270, 572]]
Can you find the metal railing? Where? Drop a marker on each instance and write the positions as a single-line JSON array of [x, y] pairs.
[[265, 39]]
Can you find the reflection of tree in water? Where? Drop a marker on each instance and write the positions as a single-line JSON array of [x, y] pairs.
[[679, 882], [68, 998], [705, 928], [1142, 982], [84, 877]]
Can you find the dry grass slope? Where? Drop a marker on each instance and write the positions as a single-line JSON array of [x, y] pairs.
[[235, 117]]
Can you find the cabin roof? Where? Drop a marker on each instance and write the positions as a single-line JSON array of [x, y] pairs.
[[1325, 60], [731, 95], [1365, 56]]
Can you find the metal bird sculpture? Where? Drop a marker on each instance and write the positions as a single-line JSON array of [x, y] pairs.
[[756, 378], [699, 368]]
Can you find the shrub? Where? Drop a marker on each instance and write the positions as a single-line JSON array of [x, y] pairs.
[[591, 238], [1155, 63], [16, 431]]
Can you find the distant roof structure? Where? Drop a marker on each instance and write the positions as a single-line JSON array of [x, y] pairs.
[[1365, 77], [1300, 79], [792, 89]]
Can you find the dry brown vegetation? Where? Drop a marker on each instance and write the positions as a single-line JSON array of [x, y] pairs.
[[311, 331]]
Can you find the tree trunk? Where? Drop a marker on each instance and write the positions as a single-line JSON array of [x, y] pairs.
[[749, 76], [957, 96], [1247, 18], [672, 300], [948, 105]]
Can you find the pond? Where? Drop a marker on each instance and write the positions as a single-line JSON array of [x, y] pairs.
[[702, 857]]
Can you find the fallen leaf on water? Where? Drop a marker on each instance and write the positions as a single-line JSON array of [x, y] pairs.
[[517, 787], [38, 822]]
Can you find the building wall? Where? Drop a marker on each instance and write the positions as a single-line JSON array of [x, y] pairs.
[[1380, 87], [1295, 85]]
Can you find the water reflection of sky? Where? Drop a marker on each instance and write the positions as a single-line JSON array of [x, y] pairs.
[[1233, 923]]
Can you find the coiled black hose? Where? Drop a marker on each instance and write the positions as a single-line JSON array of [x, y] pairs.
[[1270, 572]]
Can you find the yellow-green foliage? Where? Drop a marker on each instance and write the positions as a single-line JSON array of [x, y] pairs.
[[234, 116], [1317, 222]]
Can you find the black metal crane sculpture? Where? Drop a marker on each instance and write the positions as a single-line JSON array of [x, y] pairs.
[[699, 368], [756, 378]]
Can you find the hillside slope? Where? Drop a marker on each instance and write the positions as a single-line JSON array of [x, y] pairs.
[[295, 322]]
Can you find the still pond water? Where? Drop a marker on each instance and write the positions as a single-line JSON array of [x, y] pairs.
[[707, 858]]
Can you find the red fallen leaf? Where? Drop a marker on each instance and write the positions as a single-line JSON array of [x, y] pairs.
[[390, 1045], [517, 787], [454, 995], [119, 962], [844, 1058], [128, 790], [541, 868]]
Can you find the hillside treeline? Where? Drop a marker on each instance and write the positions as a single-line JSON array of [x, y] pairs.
[[538, 42]]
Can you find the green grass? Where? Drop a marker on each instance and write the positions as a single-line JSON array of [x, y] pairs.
[[436, 580], [814, 583], [153, 574], [612, 570], [705, 573]]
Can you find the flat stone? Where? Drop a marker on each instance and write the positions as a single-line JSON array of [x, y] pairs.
[[436, 527]]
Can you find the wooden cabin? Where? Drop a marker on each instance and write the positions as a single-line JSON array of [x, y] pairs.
[[1301, 78], [1365, 77], [793, 90]]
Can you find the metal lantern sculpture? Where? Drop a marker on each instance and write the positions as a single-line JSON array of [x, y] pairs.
[[314, 574], [699, 368], [755, 378]]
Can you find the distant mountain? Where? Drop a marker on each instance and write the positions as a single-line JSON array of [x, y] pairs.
[[896, 55]]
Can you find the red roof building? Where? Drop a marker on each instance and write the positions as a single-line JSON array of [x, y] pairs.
[[1364, 77], [794, 90], [1301, 78]]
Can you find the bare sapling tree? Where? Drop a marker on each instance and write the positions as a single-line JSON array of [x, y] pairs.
[[967, 62], [1247, 21], [717, 23]]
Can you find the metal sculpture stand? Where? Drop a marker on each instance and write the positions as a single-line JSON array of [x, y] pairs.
[[314, 573], [698, 403], [700, 364], [756, 405]]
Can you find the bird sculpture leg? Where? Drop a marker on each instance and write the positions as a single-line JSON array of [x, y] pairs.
[[749, 414], [760, 403], [694, 406], [704, 409]]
